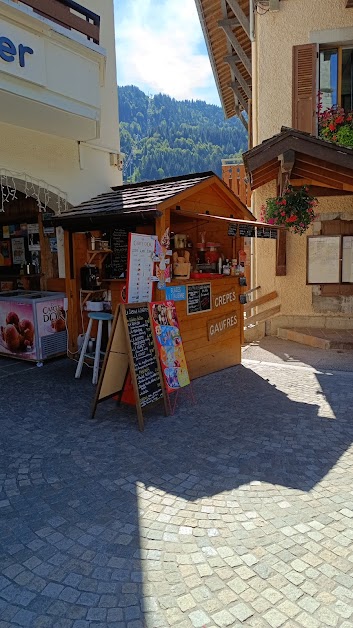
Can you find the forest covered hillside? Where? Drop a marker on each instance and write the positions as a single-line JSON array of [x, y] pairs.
[[163, 137]]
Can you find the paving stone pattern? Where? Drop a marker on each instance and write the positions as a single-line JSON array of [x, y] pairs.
[[236, 511]]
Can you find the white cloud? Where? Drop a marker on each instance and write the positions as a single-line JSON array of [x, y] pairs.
[[160, 48]]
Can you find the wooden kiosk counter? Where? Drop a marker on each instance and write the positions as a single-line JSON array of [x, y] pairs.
[[207, 224]]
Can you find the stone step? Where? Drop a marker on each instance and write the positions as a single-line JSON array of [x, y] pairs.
[[318, 337]]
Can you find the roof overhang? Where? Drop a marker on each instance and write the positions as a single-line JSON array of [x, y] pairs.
[[304, 160], [227, 26]]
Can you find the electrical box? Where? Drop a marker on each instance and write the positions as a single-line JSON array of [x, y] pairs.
[[116, 159]]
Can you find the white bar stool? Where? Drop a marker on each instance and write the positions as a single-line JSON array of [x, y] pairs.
[[100, 317]]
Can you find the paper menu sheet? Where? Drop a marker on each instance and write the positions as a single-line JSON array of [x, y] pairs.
[[140, 269], [347, 259], [324, 259]]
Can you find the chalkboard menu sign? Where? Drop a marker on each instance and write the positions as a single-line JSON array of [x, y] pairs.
[[144, 356], [246, 231], [232, 229], [117, 264], [267, 232], [199, 298]]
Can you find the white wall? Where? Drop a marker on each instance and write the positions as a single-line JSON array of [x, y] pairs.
[[81, 171]]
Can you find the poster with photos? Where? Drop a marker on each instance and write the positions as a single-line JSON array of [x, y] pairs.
[[18, 251], [33, 238]]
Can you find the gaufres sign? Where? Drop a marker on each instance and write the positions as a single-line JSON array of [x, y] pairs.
[[221, 325]]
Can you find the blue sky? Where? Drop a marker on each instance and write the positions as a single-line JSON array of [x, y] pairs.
[[160, 48]]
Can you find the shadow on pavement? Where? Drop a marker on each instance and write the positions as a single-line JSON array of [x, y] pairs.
[[70, 535]]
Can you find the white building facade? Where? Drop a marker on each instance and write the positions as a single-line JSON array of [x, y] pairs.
[[58, 103]]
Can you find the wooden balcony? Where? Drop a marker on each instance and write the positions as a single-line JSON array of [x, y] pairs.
[[234, 176], [68, 14]]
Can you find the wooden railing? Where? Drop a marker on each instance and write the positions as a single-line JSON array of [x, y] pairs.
[[69, 14], [265, 314], [234, 176]]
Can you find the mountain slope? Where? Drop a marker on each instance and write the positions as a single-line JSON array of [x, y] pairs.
[[164, 137]]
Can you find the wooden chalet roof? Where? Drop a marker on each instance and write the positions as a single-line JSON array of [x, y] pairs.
[[306, 158], [132, 201], [226, 28]]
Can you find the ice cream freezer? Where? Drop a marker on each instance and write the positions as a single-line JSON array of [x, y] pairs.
[[32, 324]]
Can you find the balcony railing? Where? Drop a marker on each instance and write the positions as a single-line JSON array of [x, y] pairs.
[[234, 176], [69, 14]]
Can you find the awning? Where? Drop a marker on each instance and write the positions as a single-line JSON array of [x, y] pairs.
[[253, 223]]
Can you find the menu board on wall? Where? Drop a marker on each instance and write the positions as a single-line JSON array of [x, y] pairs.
[[119, 239], [170, 345], [246, 231], [323, 259], [199, 298], [140, 267], [145, 360]]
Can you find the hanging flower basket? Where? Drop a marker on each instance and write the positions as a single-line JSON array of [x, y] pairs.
[[295, 209]]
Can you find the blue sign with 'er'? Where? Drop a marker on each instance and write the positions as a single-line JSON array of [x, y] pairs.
[[176, 293], [9, 51]]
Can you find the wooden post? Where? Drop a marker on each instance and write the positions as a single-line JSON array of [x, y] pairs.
[[281, 253], [162, 223], [71, 292]]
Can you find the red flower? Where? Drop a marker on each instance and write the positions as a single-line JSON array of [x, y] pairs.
[[332, 126], [292, 218]]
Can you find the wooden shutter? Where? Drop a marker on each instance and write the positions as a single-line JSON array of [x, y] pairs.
[[305, 87]]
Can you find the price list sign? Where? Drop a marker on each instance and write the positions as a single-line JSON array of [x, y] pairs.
[[140, 267], [147, 373], [199, 298], [118, 260]]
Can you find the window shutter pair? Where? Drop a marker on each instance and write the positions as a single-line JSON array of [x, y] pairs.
[[305, 88]]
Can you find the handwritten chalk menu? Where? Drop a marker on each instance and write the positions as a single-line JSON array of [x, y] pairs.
[[144, 355], [232, 229], [169, 345], [198, 298], [267, 232], [247, 231], [119, 239], [131, 357], [140, 267]]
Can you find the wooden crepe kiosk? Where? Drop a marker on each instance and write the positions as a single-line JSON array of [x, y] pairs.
[[201, 208]]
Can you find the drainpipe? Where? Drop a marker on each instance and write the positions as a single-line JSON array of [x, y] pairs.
[[253, 247]]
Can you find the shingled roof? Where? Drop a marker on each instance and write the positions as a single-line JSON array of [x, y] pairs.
[[131, 201], [136, 197]]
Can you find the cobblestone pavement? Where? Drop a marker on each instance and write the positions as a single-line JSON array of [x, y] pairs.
[[236, 511]]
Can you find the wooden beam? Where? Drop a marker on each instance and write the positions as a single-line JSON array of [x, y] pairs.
[[242, 119], [287, 160], [239, 77], [263, 316], [261, 301], [235, 87], [240, 15], [229, 21], [349, 4], [231, 59], [238, 48]]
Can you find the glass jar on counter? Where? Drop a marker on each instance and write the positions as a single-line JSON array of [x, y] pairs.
[[212, 252]]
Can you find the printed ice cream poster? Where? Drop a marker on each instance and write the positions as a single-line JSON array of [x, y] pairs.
[[17, 331], [50, 317], [170, 346]]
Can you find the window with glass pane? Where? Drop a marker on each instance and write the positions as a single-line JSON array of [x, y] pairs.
[[347, 79], [329, 78]]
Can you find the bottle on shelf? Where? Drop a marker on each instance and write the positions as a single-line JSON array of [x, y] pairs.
[[226, 267]]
